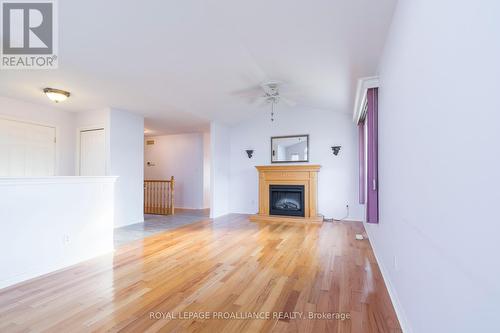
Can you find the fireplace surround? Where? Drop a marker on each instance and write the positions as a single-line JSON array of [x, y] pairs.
[[297, 185]]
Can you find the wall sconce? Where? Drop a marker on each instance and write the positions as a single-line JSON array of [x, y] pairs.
[[335, 150], [249, 153]]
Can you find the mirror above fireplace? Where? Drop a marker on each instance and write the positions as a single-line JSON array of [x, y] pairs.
[[290, 149]]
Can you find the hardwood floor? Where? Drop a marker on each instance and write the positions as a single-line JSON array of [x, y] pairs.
[[229, 267]]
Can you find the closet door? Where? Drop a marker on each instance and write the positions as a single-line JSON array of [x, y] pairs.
[[26, 150], [93, 153]]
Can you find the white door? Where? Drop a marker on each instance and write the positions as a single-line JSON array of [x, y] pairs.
[[93, 153], [26, 150]]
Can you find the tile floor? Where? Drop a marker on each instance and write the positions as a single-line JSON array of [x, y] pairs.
[[154, 224]]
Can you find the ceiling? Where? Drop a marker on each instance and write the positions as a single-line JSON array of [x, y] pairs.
[[184, 63]]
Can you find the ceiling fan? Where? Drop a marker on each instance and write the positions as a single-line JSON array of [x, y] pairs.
[[272, 95], [268, 92]]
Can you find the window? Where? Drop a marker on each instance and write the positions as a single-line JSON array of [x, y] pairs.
[[372, 156], [368, 148]]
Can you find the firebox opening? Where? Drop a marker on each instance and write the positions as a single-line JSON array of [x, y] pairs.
[[287, 200]]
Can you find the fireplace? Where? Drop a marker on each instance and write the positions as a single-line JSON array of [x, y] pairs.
[[288, 194], [286, 200]]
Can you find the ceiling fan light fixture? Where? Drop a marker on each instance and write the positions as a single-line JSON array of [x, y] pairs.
[[56, 95]]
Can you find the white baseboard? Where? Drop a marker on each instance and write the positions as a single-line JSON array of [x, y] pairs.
[[36, 271], [403, 321]]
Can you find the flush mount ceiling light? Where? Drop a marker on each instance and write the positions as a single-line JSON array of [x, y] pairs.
[[56, 95]]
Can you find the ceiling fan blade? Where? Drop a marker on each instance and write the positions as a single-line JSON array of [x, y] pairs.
[[288, 101], [247, 92], [253, 100], [292, 90], [263, 102], [255, 71]]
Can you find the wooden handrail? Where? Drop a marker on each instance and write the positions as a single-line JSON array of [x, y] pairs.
[[157, 181], [159, 196]]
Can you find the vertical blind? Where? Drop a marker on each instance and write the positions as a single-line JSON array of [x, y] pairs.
[[368, 156], [362, 170], [372, 211]]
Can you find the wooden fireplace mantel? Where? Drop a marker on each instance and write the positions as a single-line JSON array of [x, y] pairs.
[[304, 174]]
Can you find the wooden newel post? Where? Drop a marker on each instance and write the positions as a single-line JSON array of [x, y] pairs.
[[172, 183], [144, 197]]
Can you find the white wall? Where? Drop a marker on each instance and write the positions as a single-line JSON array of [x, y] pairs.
[[338, 176], [68, 220], [124, 158], [439, 139], [63, 121], [220, 172], [126, 144], [180, 156]]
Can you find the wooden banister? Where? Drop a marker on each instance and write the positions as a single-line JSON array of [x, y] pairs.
[[159, 196]]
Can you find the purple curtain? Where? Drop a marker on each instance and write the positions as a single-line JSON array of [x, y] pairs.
[[361, 144], [372, 149]]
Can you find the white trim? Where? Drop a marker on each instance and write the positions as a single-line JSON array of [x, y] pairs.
[[37, 271], [56, 180], [403, 320], [28, 121], [364, 84]]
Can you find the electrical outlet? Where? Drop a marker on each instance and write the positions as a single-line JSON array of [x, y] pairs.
[[65, 239]]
